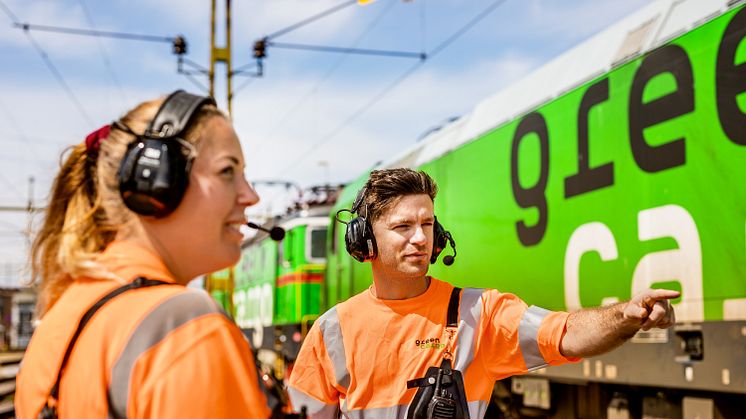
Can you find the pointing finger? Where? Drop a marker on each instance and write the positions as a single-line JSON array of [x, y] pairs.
[[661, 294]]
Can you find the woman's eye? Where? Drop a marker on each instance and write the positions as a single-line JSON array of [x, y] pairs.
[[228, 171]]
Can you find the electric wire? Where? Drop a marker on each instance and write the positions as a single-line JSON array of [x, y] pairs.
[[466, 27], [50, 65], [326, 76], [104, 55], [311, 19], [61, 80], [90, 32], [242, 85], [8, 12], [359, 51], [197, 83], [361, 110]]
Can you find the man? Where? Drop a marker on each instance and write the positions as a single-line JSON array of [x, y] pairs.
[[359, 356]]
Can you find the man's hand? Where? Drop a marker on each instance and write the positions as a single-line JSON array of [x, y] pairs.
[[594, 331], [651, 308]]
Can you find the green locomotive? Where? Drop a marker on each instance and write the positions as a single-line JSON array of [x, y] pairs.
[[612, 169], [274, 290]]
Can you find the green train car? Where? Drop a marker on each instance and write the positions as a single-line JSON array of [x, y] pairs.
[[276, 286], [618, 166]]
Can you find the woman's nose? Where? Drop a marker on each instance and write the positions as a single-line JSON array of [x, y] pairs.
[[247, 196]]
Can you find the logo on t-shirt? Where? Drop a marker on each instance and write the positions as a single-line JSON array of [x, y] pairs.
[[431, 343]]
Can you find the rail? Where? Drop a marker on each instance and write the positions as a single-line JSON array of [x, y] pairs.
[[9, 363]]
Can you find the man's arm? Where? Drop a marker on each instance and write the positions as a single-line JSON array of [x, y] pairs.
[[595, 331]]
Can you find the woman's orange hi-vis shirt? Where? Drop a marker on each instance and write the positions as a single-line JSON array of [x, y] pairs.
[[157, 352], [358, 356]]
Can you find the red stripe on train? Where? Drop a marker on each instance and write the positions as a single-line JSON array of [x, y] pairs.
[[300, 278]]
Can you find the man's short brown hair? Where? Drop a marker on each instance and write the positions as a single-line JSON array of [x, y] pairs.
[[386, 187]]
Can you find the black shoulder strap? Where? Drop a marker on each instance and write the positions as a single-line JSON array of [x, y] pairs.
[[137, 283], [453, 304]]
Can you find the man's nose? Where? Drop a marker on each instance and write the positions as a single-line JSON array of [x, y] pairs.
[[419, 236]]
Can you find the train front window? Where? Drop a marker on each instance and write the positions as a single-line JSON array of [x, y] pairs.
[[318, 243]]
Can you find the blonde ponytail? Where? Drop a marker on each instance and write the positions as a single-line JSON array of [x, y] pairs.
[[73, 232]]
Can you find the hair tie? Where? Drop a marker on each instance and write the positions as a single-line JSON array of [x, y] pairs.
[[93, 140]]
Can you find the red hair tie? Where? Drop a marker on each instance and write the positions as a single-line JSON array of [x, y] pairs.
[[93, 140]]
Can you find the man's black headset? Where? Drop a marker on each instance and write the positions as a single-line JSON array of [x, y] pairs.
[[154, 172], [361, 243]]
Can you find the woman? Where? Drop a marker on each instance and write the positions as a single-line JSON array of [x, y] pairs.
[[159, 195]]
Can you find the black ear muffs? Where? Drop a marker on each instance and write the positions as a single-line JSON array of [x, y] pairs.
[[154, 173], [361, 243], [153, 177], [359, 239], [440, 240]]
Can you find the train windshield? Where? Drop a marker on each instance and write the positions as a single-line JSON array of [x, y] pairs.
[[318, 243]]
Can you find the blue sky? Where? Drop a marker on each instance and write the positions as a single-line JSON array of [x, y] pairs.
[[296, 123]]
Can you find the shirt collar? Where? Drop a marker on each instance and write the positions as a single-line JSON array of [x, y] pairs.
[[129, 261]]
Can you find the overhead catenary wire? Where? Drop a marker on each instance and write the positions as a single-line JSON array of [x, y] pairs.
[[311, 19], [50, 65], [102, 51], [8, 12], [367, 105], [343, 50], [96, 33], [328, 74]]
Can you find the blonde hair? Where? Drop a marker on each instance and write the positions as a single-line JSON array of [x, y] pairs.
[[85, 211]]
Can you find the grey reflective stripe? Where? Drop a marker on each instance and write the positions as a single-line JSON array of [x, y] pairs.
[[470, 310], [528, 332], [315, 408], [398, 412], [477, 409], [332, 334], [162, 320]]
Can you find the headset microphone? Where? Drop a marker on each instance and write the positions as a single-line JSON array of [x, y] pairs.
[[449, 259], [275, 233]]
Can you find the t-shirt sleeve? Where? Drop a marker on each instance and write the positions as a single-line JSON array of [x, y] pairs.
[[516, 338], [214, 377], [312, 383]]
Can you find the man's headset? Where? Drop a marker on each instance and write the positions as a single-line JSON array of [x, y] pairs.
[[361, 243], [154, 172]]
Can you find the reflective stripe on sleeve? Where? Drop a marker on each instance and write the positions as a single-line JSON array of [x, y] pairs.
[[164, 319], [470, 310], [315, 408], [331, 331], [528, 332]]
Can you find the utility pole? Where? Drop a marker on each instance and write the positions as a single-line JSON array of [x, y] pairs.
[[221, 54]]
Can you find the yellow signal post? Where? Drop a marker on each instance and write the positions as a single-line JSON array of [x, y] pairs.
[[221, 54]]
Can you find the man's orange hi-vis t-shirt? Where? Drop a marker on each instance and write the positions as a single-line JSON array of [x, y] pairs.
[[359, 355]]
